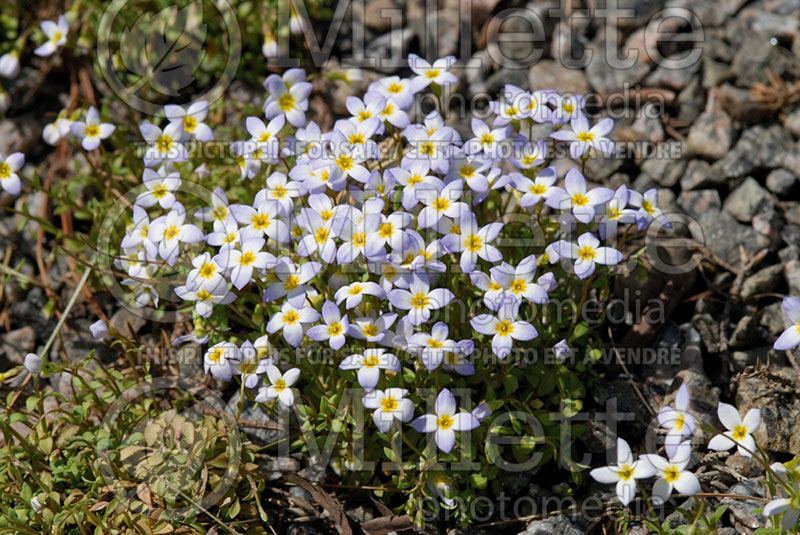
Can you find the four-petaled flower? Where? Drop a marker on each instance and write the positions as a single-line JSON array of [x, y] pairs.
[[444, 422]]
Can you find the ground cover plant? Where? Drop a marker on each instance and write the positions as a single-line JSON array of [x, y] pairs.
[[376, 302]]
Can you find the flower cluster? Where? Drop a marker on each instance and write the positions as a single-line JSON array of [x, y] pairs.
[[355, 236], [672, 472]]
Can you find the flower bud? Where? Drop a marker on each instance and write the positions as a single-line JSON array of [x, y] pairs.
[[9, 64], [33, 363]]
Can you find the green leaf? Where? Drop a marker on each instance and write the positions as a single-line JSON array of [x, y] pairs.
[[479, 481], [31, 402], [571, 407], [17, 417], [390, 454]]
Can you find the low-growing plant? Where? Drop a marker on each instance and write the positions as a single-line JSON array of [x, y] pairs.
[[416, 300], [123, 454]]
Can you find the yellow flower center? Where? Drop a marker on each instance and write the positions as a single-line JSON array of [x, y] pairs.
[[248, 366], [247, 258], [370, 330], [203, 295], [279, 192], [363, 116], [261, 221], [441, 204], [357, 139], [473, 243], [344, 162], [579, 199], [280, 385], [389, 403], [586, 253], [528, 160], [326, 215], [159, 191], [356, 289], [164, 143], [286, 102], [57, 37], [678, 426], [335, 329], [435, 344], [5, 170], [538, 189], [92, 130], [189, 123], [359, 239], [495, 286], [648, 207], [420, 300], [207, 270], [671, 474], [388, 110], [585, 136], [739, 432], [432, 73], [519, 286], [487, 138], [504, 328], [264, 137], [231, 237], [613, 213], [467, 171], [414, 180], [626, 472], [371, 361], [216, 355], [386, 230], [567, 107], [292, 282], [291, 317], [321, 235], [220, 213], [445, 421], [428, 148], [171, 232], [394, 87]]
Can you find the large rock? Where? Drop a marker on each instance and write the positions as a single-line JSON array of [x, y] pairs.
[[724, 235], [560, 524], [773, 392], [663, 171], [756, 55], [549, 74], [791, 272], [743, 511], [700, 204], [604, 77], [762, 281], [381, 15], [748, 199], [781, 181], [758, 147], [668, 76], [711, 135]]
